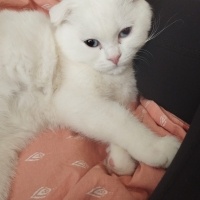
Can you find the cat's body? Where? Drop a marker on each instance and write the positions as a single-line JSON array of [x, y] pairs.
[[51, 78]]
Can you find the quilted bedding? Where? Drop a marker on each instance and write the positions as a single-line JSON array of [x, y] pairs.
[[63, 165]]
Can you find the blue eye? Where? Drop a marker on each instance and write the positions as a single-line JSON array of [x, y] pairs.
[[92, 43], [125, 32]]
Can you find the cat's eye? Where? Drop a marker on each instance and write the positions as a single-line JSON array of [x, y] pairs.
[[92, 43], [125, 32]]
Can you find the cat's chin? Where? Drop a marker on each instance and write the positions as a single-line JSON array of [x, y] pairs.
[[115, 70]]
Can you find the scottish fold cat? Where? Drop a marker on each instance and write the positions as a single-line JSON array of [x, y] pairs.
[[74, 69]]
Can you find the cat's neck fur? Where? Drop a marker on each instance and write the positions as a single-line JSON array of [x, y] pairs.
[[83, 79]]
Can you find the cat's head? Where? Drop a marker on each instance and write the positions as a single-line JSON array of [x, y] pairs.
[[104, 34]]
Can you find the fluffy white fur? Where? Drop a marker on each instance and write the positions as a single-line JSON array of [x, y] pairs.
[[50, 78]]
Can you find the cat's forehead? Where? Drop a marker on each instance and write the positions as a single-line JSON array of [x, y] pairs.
[[105, 9], [105, 17]]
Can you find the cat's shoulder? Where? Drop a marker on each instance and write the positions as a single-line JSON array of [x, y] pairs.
[[14, 15], [24, 29], [27, 46], [25, 20]]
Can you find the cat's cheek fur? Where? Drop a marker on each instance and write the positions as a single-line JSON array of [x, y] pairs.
[[73, 47]]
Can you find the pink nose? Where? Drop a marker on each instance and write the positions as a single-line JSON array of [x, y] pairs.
[[115, 59]]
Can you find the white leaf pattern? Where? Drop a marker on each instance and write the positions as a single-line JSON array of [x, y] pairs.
[[80, 163], [35, 157], [46, 6], [41, 193], [98, 192], [163, 120], [74, 137]]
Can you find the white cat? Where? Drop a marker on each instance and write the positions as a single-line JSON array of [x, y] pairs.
[[75, 70]]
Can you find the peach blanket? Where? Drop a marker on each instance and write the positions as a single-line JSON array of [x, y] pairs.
[[63, 165]]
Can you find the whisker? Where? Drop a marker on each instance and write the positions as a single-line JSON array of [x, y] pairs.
[[155, 33], [146, 52], [141, 58], [155, 26]]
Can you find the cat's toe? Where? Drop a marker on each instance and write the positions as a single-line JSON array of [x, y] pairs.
[[120, 162], [169, 146], [163, 152]]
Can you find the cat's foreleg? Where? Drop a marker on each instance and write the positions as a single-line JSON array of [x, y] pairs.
[[108, 121]]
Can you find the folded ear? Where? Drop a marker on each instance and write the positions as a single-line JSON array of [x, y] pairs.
[[59, 12]]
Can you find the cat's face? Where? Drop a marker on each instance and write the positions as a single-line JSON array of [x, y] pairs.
[[103, 34]]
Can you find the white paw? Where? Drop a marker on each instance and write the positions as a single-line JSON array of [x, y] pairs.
[[162, 152], [119, 161]]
